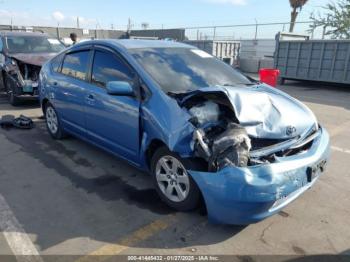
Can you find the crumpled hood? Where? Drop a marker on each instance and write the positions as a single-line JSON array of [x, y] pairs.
[[266, 112], [33, 59]]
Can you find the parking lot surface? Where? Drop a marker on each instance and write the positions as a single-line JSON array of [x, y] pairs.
[[68, 197]]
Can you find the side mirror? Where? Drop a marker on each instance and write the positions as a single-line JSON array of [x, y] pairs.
[[119, 88]]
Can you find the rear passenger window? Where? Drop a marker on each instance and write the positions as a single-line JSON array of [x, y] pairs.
[[76, 64], [107, 67], [56, 63]]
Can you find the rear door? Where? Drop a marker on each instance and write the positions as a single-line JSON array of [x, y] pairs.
[[112, 121], [70, 90]]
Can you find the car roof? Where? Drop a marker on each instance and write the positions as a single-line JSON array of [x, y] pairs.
[[138, 44], [20, 33]]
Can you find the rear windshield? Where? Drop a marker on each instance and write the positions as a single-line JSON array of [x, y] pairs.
[[33, 44]]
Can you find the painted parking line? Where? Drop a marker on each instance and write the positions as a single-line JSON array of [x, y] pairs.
[[135, 237], [342, 150], [17, 239], [339, 129]]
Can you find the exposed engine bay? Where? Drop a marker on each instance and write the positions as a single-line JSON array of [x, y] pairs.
[[222, 140], [23, 75], [217, 139]]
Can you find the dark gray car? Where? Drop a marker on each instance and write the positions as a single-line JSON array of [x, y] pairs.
[[21, 56]]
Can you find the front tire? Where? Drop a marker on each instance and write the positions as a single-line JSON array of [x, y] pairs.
[[172, 181], [9, 88], [52, 122]]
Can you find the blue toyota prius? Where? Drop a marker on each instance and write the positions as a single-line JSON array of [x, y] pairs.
[[200, 128]]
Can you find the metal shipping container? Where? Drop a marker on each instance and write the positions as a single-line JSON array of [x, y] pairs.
[[316, 60], [225, 50], [256, 54], [257, 48]]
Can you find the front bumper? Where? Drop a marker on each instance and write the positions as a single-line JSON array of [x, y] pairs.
[[30, 88], [29, 97], [28, 93], [243, 196]]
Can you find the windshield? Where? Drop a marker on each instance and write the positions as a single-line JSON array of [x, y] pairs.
[[33, 44], [180, 70]]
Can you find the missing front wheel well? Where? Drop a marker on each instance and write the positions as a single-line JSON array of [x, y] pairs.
[[152, 148], [43, 105], [191, 163]]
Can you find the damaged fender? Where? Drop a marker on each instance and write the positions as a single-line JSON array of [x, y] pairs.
[[166, 122]]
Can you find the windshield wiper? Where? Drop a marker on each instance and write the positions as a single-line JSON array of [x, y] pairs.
[[246, 84]]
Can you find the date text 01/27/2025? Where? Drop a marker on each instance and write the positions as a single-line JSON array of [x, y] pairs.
[[173, 258]]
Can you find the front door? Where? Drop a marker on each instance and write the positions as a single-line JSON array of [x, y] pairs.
[[112, 121]]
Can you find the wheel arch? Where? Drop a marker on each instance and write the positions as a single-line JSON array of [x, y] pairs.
[[151, 149], [43, 104]]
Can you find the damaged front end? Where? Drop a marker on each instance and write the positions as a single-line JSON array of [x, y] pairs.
[[262, 149], [21, 78], [247, 126]]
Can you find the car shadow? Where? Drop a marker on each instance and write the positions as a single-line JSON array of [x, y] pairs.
[[23, 105], [114, 191]]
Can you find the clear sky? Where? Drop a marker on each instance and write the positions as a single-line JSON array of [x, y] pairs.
[[157, 13]]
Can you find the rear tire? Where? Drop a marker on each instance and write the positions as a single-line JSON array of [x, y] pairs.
[[53, 123], [172, 181]]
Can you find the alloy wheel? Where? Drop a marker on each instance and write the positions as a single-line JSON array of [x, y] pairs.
[[172, 178], [51, 119]]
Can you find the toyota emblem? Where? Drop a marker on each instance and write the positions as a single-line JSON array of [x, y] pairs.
[[291, 130]]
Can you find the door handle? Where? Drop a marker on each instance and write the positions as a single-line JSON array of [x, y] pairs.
[[90, 98]]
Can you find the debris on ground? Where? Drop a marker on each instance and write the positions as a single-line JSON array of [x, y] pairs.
[[21, 122]]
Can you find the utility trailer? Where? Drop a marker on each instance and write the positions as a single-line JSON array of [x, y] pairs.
[[313, 60]]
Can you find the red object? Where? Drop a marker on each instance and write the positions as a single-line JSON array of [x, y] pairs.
[[269, 76]]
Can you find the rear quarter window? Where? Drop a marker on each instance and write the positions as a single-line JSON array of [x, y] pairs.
[[56, 63], [76, 64]]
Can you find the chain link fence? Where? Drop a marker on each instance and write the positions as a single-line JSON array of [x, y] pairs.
[[250, 31], [215, 32]]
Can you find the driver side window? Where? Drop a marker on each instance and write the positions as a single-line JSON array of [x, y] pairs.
[[108, 67]]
